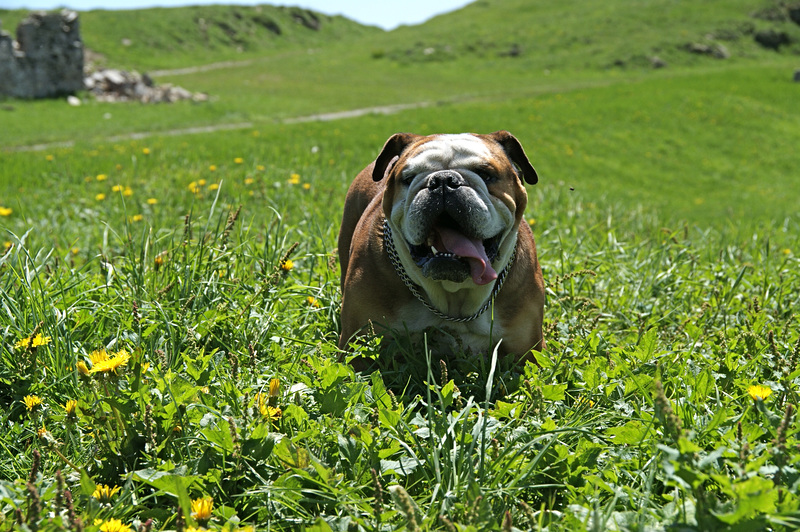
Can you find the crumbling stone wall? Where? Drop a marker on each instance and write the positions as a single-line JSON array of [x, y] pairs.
[[46, 60]]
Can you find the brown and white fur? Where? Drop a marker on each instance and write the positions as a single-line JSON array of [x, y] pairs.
[[462, 193]]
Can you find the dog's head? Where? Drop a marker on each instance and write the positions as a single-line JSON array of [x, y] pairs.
[[454, 203]]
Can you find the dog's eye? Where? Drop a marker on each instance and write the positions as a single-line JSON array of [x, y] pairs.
[[406, 179], [487, 176]]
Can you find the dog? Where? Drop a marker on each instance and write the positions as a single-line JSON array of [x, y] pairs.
[[433, 235]]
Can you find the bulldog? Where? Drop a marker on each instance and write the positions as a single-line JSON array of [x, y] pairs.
[[433, 235]]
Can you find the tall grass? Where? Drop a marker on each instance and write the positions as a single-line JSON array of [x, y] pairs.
[[169, 314], [637, 415]]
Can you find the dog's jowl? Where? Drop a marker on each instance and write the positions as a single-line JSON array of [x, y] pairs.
[[433, 235]]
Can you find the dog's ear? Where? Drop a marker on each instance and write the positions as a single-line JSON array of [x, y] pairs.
[[390, 153], [514, 150]]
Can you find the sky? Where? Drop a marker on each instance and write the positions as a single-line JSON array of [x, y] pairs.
[[386, 14]]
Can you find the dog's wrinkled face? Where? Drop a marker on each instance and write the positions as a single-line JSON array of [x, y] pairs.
[[454, 203]]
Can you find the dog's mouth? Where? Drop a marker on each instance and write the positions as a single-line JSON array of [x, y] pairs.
[[449, 254]]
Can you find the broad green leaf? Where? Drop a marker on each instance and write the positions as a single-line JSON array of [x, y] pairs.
[[554, 392], [631, 433], [753, 496]]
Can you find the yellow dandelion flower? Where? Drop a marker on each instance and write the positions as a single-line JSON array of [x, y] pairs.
[[100, 197], [256, 133], [306, 186], [294, 179], [43, 433], [249, 181], [238, 160], [32, 401], [113, 363], [83, 369], [101, 177], [531, 221], [116, 188], [583, 402], [127, 192], [40, 340], [7, 245], [260, 167], [137, 218], [98, 356], [6, 211], [759, 392], [152, 201], [201, 182], [104, 493], [271, 413], [49, 158], [32, 341], [146, 151], [194, 188], [71, 408], [114, 525], [118, 167], [212, 167], [312, 302], [213, 186], [158, 262], [74, 251], [274, 387], [786, 251], [287, 265], [201, 509]]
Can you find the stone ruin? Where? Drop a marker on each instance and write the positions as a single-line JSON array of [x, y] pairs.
[[112, 85], [47, 60]]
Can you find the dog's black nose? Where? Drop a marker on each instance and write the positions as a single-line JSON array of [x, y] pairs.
[[445, 178]]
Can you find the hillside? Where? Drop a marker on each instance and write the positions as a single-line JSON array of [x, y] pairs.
[[587, 34], [582, 35], [160, 38], [276, 64]]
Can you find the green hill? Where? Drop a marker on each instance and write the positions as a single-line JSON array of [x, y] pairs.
[[160, 38], [587, 34], [547, 35]]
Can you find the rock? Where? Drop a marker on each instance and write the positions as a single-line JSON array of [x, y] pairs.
[[657, 62], [716, 50], [112, 85], [794, 13], [797, 76], [74, 101], [307, 18], [46, 60], [772, 39], [698, 48], [720, 51]]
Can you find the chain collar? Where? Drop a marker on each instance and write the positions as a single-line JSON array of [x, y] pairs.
[[398, 267]]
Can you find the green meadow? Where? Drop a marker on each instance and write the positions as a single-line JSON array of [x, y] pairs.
[[169, 299]]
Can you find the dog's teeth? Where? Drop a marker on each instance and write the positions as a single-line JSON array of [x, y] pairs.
[[435, 251]]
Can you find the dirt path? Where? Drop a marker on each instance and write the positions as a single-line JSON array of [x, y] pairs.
[[321, 117]]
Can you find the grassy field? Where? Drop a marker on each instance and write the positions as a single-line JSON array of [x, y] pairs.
[[169, 304]]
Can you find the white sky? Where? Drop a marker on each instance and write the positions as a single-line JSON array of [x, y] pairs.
[[387, 14]]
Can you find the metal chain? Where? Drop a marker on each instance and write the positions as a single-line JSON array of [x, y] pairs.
[[398, 267]]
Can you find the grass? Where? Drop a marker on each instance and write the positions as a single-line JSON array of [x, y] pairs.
[[666, 224]]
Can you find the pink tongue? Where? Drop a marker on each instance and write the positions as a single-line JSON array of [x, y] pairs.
[[471, 249]]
